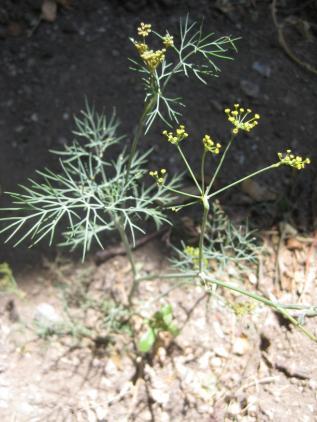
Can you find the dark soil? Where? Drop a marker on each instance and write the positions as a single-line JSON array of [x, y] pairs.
[[48, 68]]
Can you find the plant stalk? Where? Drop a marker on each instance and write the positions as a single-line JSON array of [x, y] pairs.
[[202, 170], [130, 256], [219, 165], [189, 168], [268, 302], [179, 192], [138, 132], [202, 232], [190, 274], [243, 179]]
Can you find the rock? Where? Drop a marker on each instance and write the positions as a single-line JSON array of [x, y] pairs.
[[240, 346], [234, 409], [34, 117], [221, 352], [262, 68], [46, 314], [250, 88]]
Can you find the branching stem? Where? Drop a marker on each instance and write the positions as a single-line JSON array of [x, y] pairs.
[[130, 256], [243, 179], [189, 168], [179, 192], [202, 232], [280, 308], [202, 170], [138, 133], [219, 165]]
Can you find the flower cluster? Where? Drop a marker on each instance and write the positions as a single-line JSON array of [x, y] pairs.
[[158, 176], [151, 58], [291, 160], [178, 136], [144, 29], [238, 117], [168, 40], [141, 47], [210, 146]]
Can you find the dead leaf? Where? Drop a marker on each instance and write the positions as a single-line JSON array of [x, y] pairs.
[[293, 244], [258, 192], [49, 10]]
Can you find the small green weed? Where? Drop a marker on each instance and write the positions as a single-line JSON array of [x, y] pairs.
[[161, 321]]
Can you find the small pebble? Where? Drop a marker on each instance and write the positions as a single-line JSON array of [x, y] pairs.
[[262, 68], [250, 89]]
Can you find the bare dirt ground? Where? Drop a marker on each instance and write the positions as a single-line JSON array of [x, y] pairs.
[[225, 364]]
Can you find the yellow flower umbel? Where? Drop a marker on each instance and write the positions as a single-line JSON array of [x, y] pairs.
[[238, 117], [153, 58], [168, 40], [210, 145], [141, 47], [159, 176], [178, 136], [144, 29], [293, 160]]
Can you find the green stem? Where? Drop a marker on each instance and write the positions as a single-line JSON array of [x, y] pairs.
[[261, 299], [243, 179], [202, 232], [179, 192], [190, 274], [129, 253], [138, 133], [181, 206], [219, 165], [188, 167], [202, 170]]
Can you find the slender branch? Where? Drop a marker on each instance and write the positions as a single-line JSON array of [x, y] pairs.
[[189, 274], [147, 109], [130, 256], [202, 170], [219, 165], [202, 232], [280, 308], [181, 192], [243, 179], [188, 167], [181, 206]]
